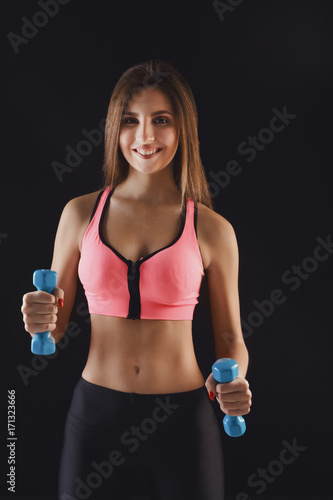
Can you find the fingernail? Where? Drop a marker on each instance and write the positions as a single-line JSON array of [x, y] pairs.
[[211, 395], [61, 302]]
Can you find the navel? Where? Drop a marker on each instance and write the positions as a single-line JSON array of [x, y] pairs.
[[137, 369]]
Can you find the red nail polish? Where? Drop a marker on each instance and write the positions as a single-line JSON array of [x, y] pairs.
[[61, 303], [211, 395]]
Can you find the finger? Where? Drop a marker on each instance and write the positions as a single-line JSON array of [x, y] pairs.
[[39, 297], [38, 328], [236, 413], [47, 309], [59, 295], [45, 318], [237, 405], [42, 323], [233, 397], [237, 385], [241, 407], [211, 386]]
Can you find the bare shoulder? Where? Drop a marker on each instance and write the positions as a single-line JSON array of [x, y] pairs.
[[82, 206], [215, 234], [77, 213]]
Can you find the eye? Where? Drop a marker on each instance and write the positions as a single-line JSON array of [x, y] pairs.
[[129, 121], [162, 118], [125, 120]]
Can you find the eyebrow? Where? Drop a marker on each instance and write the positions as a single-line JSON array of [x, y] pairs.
[[152, 114]]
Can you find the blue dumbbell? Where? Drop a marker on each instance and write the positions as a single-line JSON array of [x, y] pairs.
[[43, 342], [225, 370]]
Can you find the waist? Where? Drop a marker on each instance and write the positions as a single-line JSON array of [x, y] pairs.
[[142, 356]]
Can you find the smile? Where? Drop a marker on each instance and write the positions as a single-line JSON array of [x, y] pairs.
[[143, 153]]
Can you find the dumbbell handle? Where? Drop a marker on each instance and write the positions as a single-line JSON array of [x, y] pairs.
[[225, 370], [43, 342]]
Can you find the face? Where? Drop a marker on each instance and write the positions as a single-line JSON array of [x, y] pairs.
[[149, 125]]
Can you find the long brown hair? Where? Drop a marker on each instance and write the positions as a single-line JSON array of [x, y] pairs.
[[188, 171]]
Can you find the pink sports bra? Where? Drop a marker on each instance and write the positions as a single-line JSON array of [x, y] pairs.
[[163, 285]]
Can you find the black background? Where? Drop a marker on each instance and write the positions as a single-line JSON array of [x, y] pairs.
[[261, 55]]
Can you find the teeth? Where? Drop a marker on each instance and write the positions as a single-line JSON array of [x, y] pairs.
[[146, 153]]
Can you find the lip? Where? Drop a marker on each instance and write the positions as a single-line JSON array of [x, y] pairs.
[[147, 157]]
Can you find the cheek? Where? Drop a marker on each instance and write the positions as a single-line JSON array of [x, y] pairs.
[[169, 137], [124, 139]]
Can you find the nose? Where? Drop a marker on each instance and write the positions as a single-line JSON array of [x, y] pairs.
[[145, 132]]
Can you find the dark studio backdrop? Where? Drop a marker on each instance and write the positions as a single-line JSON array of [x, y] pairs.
[[261, 75]]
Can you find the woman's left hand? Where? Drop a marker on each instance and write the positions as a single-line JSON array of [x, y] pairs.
[[234, 398]]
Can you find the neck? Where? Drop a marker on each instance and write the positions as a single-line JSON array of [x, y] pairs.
[[152, 189]]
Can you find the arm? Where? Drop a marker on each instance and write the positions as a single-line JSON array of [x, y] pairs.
[[222, 275], [66, 255], [40, 309]]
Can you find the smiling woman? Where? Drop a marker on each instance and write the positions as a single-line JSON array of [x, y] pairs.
[[151, 133], [176, 95], [141, 246]]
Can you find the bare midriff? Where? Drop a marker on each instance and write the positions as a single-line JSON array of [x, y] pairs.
[[142, 356]]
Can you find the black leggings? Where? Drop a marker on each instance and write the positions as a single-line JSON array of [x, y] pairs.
[[113, 440]]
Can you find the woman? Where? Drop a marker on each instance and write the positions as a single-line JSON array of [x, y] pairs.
[[140, 247]]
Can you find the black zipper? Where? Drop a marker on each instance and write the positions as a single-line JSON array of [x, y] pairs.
[[133, 287]]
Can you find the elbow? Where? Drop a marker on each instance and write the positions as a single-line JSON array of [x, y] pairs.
[[235, 349], [230, 342], [58, 334]]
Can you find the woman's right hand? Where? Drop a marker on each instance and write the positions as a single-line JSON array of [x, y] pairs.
[[40, 310]]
